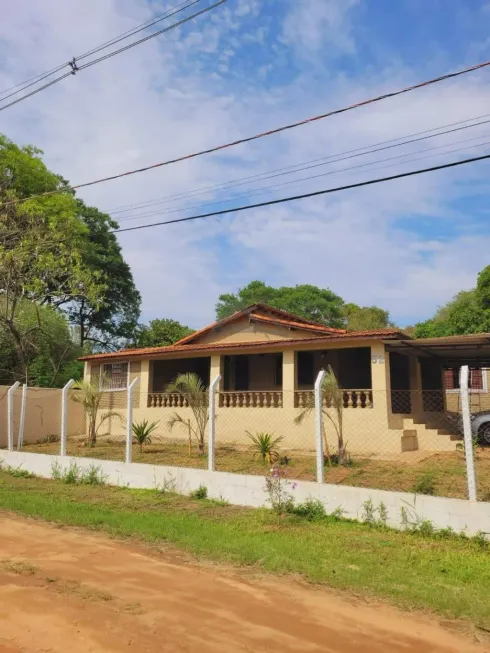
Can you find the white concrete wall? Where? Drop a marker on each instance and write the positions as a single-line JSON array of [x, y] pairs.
[[245, 490]]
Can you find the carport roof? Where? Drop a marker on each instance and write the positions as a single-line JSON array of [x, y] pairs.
[[471, 349]]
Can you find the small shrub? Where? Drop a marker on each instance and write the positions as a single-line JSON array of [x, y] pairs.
[[311, 509], [49, 439], [334, 460], [426, 528], [71, 475], [382, 514], [481, 539], [56, 471], [18, 472], [425, 484], [284, 461], [93, 476], [277, 487], [265, 446], [142, 432], [200, 493], [368, 512]]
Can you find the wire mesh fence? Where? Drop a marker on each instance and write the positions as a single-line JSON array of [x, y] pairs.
[[402, 440]]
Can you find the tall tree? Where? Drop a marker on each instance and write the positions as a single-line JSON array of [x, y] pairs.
[[160, 333], [113, 319], [468, 312], [41, 240], [313, 303], [362, 318]]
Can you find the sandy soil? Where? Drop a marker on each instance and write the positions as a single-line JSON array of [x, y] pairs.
[[67, 590]]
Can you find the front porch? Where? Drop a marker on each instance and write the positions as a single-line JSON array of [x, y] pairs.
[[269, 380]]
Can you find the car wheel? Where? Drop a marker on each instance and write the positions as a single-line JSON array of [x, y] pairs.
[[484, 434]]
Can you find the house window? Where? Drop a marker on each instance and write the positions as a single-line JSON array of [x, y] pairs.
[[306, 368], [477, 380], [278, 370], [114, 376]]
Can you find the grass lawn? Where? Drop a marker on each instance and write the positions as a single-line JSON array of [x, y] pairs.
[[448, 575], [445, 472]]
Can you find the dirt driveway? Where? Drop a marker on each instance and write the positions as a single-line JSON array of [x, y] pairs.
[[66, 590]]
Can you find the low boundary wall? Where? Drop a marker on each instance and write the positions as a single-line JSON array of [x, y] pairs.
[[246, 490]]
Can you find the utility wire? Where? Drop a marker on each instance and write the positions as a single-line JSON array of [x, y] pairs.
[[75, 68], [317, 193], [116, 39], [272, 188], [277, 130], [299, 167]]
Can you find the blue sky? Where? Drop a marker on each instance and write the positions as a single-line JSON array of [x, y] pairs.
[[248, 66]]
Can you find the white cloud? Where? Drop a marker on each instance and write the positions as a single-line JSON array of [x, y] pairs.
[[168, 97]]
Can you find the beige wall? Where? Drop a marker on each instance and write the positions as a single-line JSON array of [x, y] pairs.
[[367, 431], [42, 415], [246, 331]]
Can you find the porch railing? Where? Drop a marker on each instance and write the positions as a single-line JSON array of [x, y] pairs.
[[167, 400], [251, 399], [350, 399]]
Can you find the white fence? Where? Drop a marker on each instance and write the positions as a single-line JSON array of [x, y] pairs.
[[33, 414]]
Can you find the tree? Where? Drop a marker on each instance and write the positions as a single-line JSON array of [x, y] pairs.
[[362, 318], [160, 333], [49, 351], [464, 314], [41, 240], [102, 325], [333, 398], [317, 304], [193, 389], [90, 396]]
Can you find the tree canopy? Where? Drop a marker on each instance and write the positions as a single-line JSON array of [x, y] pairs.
[[468, 312], [317, 304], [160, 333]]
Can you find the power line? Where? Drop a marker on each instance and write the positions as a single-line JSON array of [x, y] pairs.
[[76, 69], [317, 193], [300, 167], [277, 130], [156, 19], [271, 188]]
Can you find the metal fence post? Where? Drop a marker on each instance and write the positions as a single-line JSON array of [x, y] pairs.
[[10, 415], [129, 425], [64, 416], [468, 435], [212, 423], [20, 436], [320, 463]]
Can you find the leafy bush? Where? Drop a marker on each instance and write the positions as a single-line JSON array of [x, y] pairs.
[[311, 509], [74, 475], [265, 446], [425, 484], [200, 493], [277, 487], [93, 476], [142, 432]]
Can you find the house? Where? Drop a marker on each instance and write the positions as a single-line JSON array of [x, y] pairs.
[[398, 393]]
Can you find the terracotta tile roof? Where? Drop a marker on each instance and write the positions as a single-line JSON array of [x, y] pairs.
[[294, 324], [162, 352], [283, 317]]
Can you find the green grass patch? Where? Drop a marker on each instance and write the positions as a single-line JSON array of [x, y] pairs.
[[448, 575]]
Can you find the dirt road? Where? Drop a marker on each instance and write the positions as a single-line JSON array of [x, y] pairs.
[[63, 590]]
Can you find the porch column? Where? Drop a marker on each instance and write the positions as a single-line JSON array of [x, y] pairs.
[[145, 383], [415, 384], [86, 372], [380, 377], [215, 369], [288, 377]]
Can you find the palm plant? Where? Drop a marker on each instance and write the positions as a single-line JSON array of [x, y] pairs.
[[264, 445], [334, 398], [192, 388], [90, 396], [142, 432]]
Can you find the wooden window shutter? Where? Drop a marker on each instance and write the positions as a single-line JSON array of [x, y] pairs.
[[476, 379], [449, 379]]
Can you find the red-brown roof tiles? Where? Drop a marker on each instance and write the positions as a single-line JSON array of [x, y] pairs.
[[263, 344]]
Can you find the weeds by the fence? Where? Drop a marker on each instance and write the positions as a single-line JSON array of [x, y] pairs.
[[76, 475], [200, 493], [425, 484]]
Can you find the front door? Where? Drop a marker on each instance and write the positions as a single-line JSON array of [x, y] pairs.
[[241, 373]]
